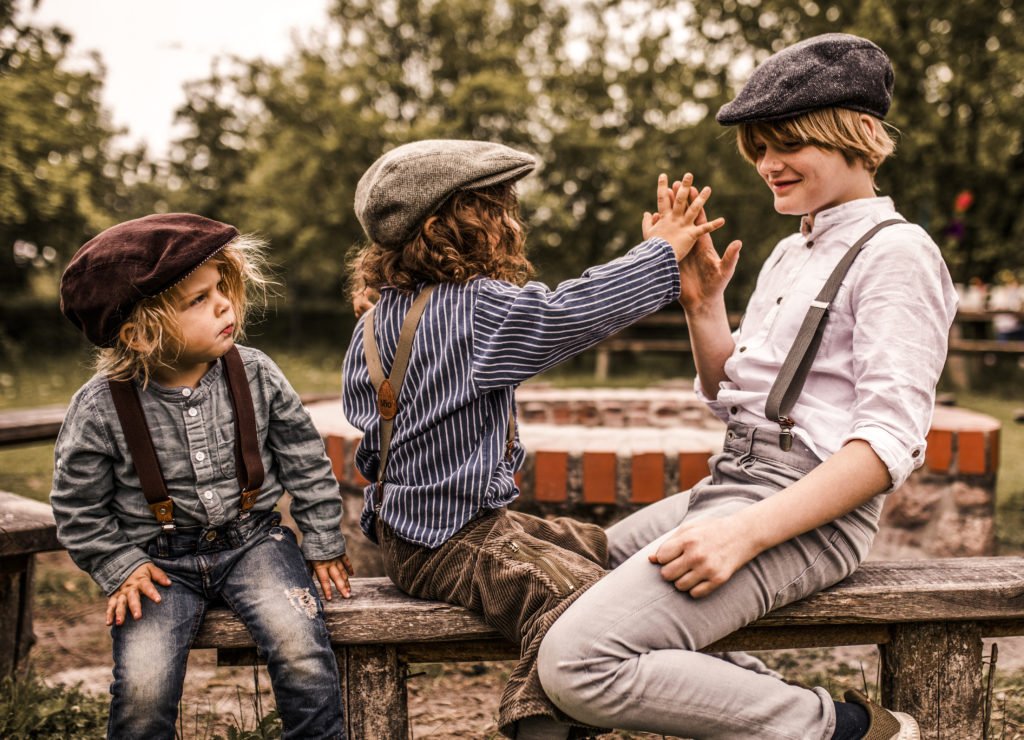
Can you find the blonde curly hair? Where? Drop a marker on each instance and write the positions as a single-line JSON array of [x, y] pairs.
[[151, 337]]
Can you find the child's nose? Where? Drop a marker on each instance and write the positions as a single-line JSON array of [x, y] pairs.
[[769, 163]]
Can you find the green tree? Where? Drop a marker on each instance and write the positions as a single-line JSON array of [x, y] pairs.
[[61, 180]]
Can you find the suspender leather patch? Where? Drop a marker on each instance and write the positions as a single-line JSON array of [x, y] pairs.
[[387, 404], [163, 511]]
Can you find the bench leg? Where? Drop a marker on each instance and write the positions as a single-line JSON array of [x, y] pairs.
[[376, 702], [16, 636], [933, 672]]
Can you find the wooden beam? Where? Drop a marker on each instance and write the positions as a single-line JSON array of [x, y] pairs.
[[878, 594]]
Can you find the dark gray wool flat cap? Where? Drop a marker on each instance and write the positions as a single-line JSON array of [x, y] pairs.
[[409, 183], [834, 70]]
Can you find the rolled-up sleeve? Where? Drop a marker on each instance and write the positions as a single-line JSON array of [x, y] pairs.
[[82, 496], [904, 303], [303, 468]]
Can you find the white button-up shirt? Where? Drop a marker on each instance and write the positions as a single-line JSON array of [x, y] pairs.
[[884, 344]]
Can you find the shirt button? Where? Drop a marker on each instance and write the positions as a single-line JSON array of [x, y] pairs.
[[734, 410], [200, 456], [193, 412], [186, 392], [211, 536], [779, 299], [208, 495], [810, 244], [915, 453], [743, 349]]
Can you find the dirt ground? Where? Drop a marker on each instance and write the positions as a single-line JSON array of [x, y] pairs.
[[450, 701]]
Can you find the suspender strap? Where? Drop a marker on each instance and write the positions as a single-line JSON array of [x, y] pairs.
[[790, 381], [389, 388], [248, 461], [140, 445]]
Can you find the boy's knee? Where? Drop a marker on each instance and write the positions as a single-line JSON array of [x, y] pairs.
[[561, 667]]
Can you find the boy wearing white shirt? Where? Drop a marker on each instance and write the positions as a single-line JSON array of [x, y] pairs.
[[827, 388]]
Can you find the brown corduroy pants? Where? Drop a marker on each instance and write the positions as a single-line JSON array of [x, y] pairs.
[[520, 572]]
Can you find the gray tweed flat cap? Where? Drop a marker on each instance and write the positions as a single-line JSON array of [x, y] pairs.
[[409, 183], [834, 70]]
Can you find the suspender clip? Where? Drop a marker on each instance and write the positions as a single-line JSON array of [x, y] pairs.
[[249, 498], [785, 433], [164, 513]]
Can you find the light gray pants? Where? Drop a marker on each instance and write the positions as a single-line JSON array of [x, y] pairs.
[[625, 653]]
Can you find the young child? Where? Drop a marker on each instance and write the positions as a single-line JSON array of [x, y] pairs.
[[446, 240], [210, 434], [793, 501]]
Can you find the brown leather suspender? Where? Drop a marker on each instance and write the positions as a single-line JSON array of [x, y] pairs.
[[390, 387], [248, 461]]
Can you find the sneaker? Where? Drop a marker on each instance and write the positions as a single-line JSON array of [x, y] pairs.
[[885, 725]]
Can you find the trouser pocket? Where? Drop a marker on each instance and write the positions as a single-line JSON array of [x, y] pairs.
[[561, 580]]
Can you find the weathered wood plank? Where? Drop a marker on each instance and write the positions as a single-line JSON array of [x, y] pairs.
[[958, 589], [933, 672], [23, 426], [376, 703], [26, 426], [26, 526]]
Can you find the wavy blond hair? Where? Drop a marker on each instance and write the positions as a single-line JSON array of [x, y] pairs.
[[833, 129], [474, 233], [151, 337]]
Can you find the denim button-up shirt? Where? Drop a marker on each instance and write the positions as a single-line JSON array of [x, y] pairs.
[[102, 516]]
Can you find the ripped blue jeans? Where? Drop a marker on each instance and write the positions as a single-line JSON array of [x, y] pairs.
[[254, 566]]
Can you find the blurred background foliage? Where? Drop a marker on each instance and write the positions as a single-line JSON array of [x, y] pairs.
[[607, 93]]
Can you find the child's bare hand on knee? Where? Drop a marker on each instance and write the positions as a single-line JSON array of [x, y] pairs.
[[700, 556], [676, 219], [336, 571], [128, 597]]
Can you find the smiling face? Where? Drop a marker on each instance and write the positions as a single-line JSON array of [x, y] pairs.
[[806, 179], [206, 322]]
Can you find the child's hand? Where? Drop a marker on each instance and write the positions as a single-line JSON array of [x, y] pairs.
[[127, 597], [676, 219], [703, 274], [337, 570], [700, 556]]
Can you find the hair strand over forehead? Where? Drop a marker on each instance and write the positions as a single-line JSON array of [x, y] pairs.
[[833, 129]]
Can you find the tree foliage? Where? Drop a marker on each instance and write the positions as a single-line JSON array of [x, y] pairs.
[[61, 180], [606, 93]]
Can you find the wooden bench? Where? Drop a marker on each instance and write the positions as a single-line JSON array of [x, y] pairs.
[[928, 617], [26, 528]]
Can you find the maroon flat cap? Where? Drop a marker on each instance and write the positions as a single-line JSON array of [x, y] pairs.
[[131, 261]]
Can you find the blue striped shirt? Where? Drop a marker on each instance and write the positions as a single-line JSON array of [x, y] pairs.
[[475, 343]]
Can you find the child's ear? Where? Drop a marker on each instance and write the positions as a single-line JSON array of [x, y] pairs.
[[870, 126], [129, 336]]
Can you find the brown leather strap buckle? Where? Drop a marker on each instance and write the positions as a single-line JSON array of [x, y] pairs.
[[164, 513], [249, 498]]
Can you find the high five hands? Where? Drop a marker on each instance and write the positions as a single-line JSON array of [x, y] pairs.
[[704, 275], [679, 221]]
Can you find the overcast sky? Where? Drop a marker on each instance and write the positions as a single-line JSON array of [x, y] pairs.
[[151, 47]]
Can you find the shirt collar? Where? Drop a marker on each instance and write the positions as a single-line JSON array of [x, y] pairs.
[[179, 395], [879, 208]]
